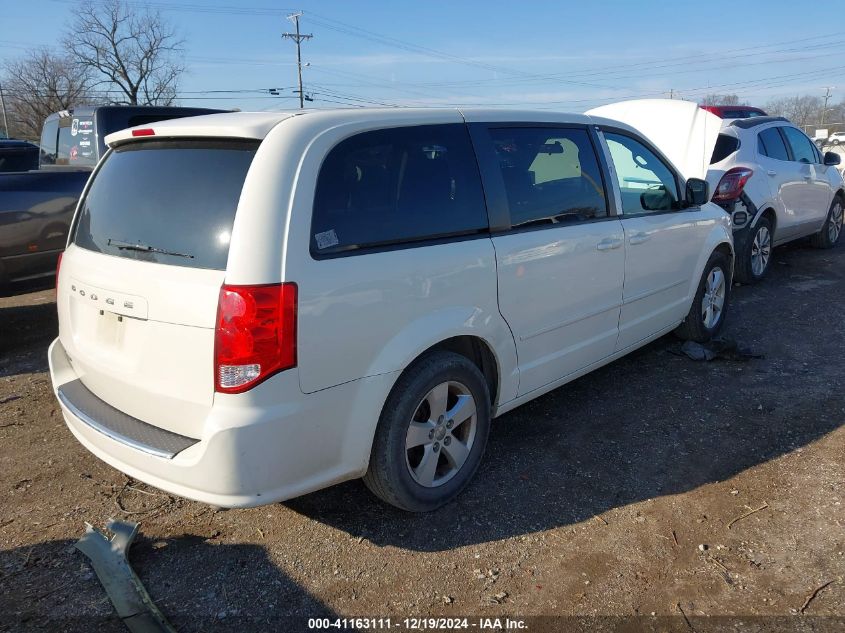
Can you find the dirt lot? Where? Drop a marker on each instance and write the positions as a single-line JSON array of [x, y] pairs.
[[613, 496]]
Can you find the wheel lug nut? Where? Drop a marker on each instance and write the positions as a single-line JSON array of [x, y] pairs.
[[440, 420], [436, 446], [449, 424], [447, 441], [431, 434]]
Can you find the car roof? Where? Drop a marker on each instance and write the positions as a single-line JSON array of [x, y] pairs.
[[92, 110], [746, 124], [258, 124]]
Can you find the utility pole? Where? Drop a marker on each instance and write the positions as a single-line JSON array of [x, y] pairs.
[[827, 96], [3, 105], [298, 38]]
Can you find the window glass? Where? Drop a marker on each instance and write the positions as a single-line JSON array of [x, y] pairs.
[[169, 202], [770, 143], [551, 175], [802, 147], [725, 146], [397, 185], [18, 158], [646, 182], [48, 142], [77, 146]]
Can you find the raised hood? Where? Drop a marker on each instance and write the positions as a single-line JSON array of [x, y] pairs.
[[684, 132]]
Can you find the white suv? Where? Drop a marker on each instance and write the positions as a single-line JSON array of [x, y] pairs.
[[256, 306], [764, 171]]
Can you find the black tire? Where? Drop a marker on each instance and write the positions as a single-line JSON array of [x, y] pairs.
[[745, 271], [694, 328], [389, 474], [832, 229]]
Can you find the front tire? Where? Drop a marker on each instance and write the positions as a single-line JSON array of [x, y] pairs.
[[710, 304], [431, 434], [832, 229], [756, 253]]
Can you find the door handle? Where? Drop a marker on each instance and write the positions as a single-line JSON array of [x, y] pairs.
[[808, 176], [772, 172], [608, 244], [639, 238]]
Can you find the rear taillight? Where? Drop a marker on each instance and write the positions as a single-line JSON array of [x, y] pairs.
[[58, 267], [731, 185], [255, 335]]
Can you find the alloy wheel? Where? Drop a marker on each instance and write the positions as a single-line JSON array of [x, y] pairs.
[[713, 301], [761, 250], [441, 434], [834, 223]]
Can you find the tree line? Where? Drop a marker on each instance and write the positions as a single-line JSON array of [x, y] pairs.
[[111, 52]]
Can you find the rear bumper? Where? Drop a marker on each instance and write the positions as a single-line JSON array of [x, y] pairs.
[[270, 444]]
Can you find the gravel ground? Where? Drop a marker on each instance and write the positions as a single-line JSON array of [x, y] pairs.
[[615, 496]]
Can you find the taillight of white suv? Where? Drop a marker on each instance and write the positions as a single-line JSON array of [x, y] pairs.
[[255, 335], [731, 185]]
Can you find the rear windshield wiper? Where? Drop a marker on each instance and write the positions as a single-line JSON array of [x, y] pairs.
[[145, 248]]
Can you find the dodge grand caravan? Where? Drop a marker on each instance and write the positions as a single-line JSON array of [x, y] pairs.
[[255, 306]]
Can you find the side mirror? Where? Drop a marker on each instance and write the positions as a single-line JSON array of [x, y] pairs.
[[832, 158], [698, 192]]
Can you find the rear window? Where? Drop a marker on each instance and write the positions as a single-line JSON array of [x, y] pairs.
[[77, 143], [725, 146], [397, 186], [166, 202]]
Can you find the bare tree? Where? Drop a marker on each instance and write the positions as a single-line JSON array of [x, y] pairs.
[[39, 84], [802, 111], [721, 99], [134, 55]]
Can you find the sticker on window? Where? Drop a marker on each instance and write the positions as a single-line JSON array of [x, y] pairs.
[[326, 239]]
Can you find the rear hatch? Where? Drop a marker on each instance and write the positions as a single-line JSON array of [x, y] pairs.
[[142, 274], [684, 132]]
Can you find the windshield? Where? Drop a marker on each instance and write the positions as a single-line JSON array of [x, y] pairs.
[[169, 202]]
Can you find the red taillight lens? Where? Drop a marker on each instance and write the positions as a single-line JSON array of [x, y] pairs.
[[255, 335], [731, 185], [58, 267], [144, 131]]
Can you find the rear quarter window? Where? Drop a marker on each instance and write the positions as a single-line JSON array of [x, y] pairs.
[[725, 146], [397, 186], [168, 202]]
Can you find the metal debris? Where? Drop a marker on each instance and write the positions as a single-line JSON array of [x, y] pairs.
[[125, 590]]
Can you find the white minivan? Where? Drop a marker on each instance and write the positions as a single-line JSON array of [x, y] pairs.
[[253, 306]]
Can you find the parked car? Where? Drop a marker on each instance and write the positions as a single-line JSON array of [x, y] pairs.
[[253, 306], [764, 171], [734, 111], [835, 139], [36, 207], [17, 155]]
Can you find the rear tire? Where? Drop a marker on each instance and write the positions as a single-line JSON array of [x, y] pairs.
[[755, 256], [431, 434], [710, 304], [832, 229]]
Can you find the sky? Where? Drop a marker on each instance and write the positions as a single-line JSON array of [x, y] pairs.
[[567, 56]]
